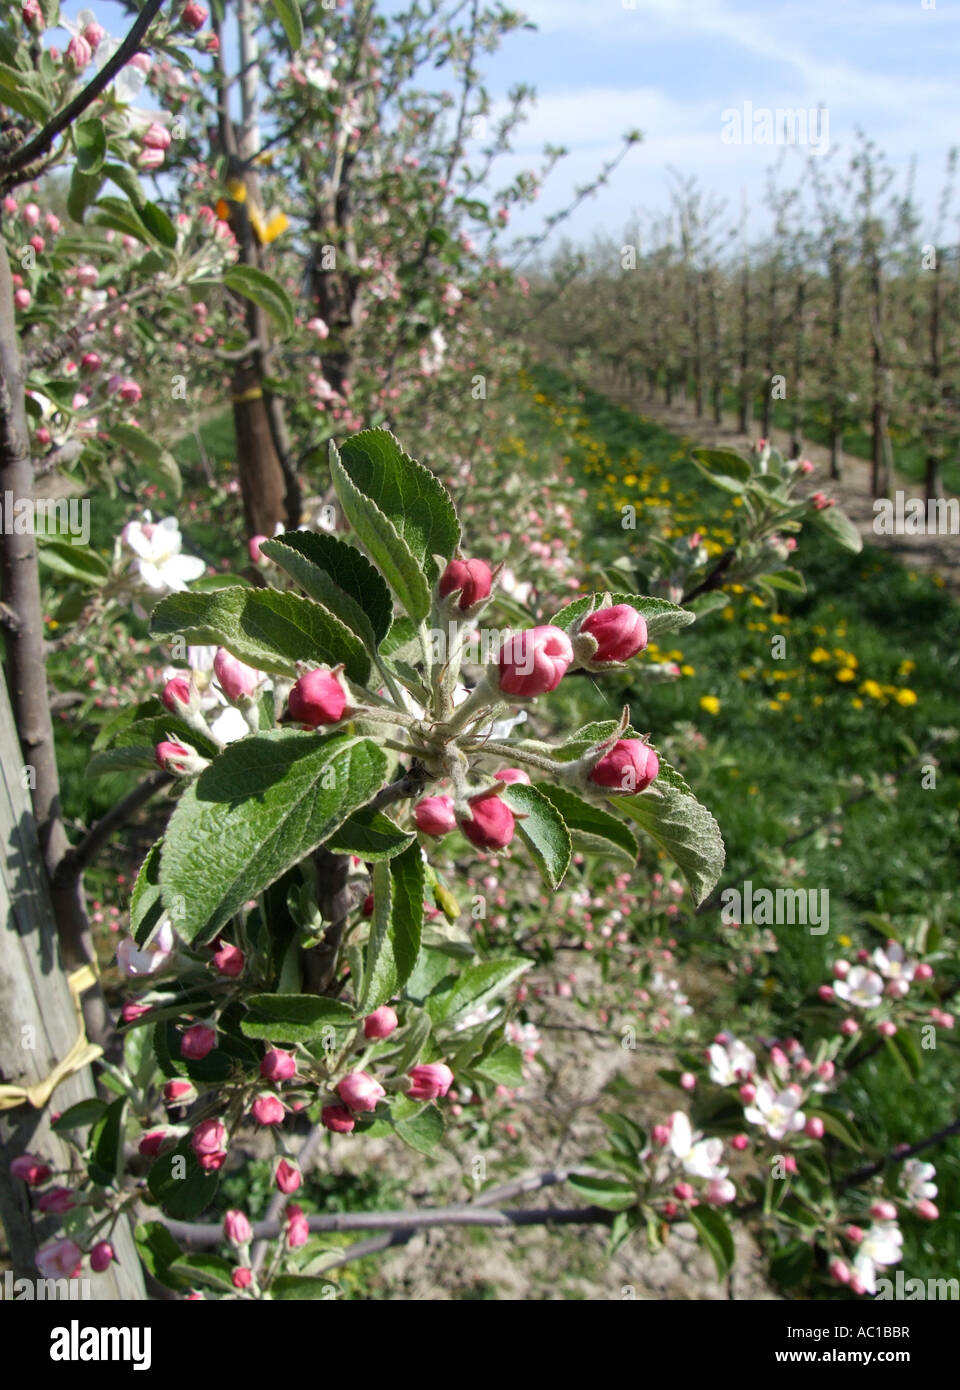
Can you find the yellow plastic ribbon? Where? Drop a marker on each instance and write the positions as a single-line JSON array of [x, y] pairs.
[[255, 393], [80, 1055]]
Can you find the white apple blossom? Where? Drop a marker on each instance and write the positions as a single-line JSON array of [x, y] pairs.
[[776, 1112], [157, 560], [862, 988], [700, 1157], [730, 1062], [893, 964], [915, 1180], [135, 960], [882, 1245]]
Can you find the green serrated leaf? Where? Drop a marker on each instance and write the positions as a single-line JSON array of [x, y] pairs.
[[265, 292], [382, 541], [592, 830], [267, 629], [395, 928], [542, 830], [338, 576], [685, 830], [260, 808]]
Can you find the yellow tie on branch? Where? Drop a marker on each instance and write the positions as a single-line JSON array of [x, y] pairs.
[[80, 1055]]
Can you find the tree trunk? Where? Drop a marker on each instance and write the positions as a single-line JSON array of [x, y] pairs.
[[38, 1028], [933, 478], [796, 441], [745, 409]]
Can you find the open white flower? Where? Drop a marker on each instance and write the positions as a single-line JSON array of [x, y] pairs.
[[777, 1112], [156, 548], [915, 1180], [134, 960], [893, 964], [882, 1245], [862, 988], [700, 1157], [730, 1062]]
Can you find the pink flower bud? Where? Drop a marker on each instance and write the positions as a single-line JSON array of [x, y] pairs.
[[194, 16], [431, 1081], [102, 1254], [209, 1137], [489, 823], [619, 632], [748, 1093], [841, 969], [381, 1023], [813, 1129], [32, 15], [337, 1118], [229, 960], [253, 545], [237, 680], [317, 698], [236, 1228], [923, 971], [129, 392], [840, 1271], [628, 767], [197, 1042], [471, 577], [172, 757], [277, 1065], [854, 1234], [660, 1134], [850, 1027], [87, 276], [178, 1092], [511, 775], [287, 1177], [534, 662], [30, 1169], [926, 1209], [58, 1200], [360, 1091], [60, 1259], [241, 1278], [790, 1164], [721, 1192], [22, 299], [94, 34], [434, 815], [886, 1028], [826, 993], [826, 1071], [298, 1228], [176, 694], [156, 137], [883, 1211], [79, 53], [151, 1144], [91, 362], [31, 214], [688, 1081], [682, 1191], [740, 1142], [268, 1110]]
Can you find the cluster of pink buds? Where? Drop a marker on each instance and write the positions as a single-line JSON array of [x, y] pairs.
[[58, 1259]]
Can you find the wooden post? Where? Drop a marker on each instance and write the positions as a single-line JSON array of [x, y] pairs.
[[38, 1027]]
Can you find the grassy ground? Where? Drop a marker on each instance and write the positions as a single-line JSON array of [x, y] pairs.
[[868, 680]]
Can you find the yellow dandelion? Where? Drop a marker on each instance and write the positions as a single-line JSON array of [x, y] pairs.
[[819, 654], [710, 704], [906, 697]]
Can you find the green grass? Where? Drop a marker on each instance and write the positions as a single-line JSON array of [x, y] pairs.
[[769, 774]]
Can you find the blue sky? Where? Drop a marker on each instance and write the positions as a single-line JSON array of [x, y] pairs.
[[673, 67]]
